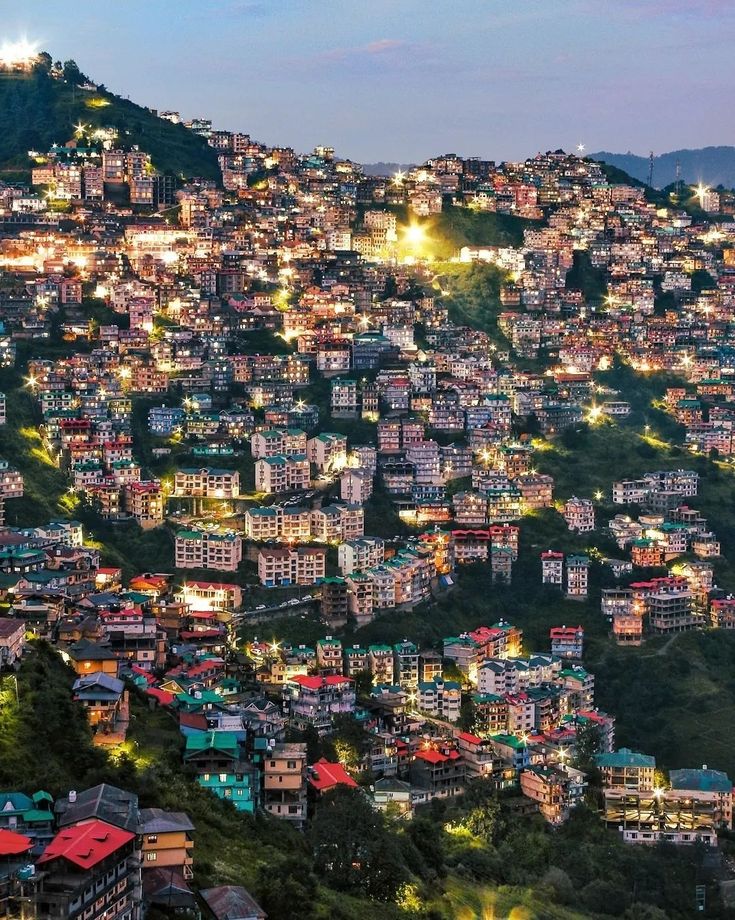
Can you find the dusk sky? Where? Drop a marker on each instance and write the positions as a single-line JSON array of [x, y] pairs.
[[402, 80]]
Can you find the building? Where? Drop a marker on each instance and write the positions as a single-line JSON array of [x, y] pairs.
[[166, 840], [556, 789], [313, 701], [441, 772], [567, 641], [301, 565], [552, 568], [207, 482], [579, 513], [282, 473], [91, 870], [144, 503], [358, 555], [356, 486], [221, 768], [284, 781], [577, 576], [208, 549], [440, 698], [12, 641]]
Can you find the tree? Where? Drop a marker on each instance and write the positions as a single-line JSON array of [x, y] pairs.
[[588, 743], [354, 850], [72, 73]]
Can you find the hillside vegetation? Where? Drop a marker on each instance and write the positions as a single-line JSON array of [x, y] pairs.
[[38, 110]]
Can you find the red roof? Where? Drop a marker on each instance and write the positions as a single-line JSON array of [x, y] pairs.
[[470, 739], [324, 775], [11, 844], [308, 681], [163, 696], [437, 756], [86, 845]]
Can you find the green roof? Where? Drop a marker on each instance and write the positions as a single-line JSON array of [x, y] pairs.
[[208, 741]]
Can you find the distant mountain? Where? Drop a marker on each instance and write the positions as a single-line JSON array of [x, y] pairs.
[[38, 110], [385, 169], [712, 166]]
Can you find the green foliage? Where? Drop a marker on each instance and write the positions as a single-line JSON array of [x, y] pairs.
[[473, 294], [37, 110], [355, 848], [584, 277]]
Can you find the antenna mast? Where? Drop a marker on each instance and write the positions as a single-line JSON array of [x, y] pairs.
[[650, 169]]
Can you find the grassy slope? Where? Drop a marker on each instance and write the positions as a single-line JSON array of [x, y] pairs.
[[37, 111]]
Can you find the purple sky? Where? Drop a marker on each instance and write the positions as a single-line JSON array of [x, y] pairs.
[[401, 80]]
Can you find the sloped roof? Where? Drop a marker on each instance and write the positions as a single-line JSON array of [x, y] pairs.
[[86, 845]]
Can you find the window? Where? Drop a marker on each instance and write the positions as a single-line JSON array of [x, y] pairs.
[[151, 857], [152, 838]]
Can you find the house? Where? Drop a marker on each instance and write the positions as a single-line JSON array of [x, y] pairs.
[[567, 641], [89, 657], [556, 789], [324, 776], [231, 902], [12, 641], [440, 698], [440, 771], [105, 700], [102, 802], [313, 701], [579, 513], [284, 781], [221, 768], [166, 840], [89, 869]]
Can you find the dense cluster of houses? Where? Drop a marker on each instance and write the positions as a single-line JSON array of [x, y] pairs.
[[235, 452]]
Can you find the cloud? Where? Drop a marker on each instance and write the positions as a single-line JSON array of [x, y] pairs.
[[378, 56]]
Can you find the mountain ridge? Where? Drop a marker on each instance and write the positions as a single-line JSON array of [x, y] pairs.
[[712, 166]]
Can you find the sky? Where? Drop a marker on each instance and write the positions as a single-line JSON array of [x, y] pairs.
[[402, 80]]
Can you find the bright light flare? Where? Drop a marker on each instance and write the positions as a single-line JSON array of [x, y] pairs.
[[414, 235], [21, 53]]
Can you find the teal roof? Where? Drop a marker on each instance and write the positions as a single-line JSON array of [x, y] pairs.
[[700, 780], [625, 758]]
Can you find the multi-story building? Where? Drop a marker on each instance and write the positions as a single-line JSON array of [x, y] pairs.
[[567, 641], [313, 701], [284, 781], [579, 513], [207, 482], [144, 503], [577, 576], [552, 568], [282, 473], [222, 768], [89, 870], [302, 565], [356, 486], [440, 698], [208, 549], [358, 555]]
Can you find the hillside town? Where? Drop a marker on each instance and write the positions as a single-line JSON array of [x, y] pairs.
[[271, 381]]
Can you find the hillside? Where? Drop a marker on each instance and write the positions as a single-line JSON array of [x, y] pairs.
[[712, 166], [38, 110]]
